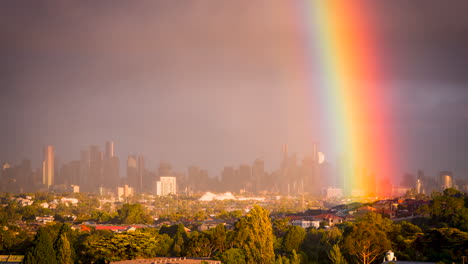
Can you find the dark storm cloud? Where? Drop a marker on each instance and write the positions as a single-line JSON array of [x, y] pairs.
[[425, 40], [210, 82]]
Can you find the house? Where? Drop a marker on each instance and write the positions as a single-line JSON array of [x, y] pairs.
[[306, 223], [365, 209], [330, 219], [45, 219], [117, 229], [208, 224]]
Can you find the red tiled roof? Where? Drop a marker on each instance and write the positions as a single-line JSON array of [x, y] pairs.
[[110, 227], [327, 216]]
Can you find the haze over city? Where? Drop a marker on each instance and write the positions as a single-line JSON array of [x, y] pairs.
[[216, 84]]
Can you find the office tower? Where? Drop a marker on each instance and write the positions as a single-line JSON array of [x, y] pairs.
[[166, 186], [308, 180], [71, 172], [141, 173], [95, 168], [244, 177], [112, 172], [131, 170], [419, 186], [165, 169], [48, 166], [194, 178], [420, 182], [446, 179], [84, 181], [288, 182], [109, 150], [136, 172], [258, 175], [228, 179], [111, 167]]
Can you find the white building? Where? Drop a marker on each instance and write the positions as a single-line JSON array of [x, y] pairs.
[[306, 223], [166, 185]]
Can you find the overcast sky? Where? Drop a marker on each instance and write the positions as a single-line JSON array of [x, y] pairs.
[[210, 83]]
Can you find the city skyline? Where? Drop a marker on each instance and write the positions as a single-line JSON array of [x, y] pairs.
[[221, 84], [100, 171]]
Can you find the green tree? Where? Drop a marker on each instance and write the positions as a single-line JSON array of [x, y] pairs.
[[442, 244], [335, 255], [293, 239], [254, 235], [42, 250], [233, 256], [133, 214], [366, 242], [63, 250]]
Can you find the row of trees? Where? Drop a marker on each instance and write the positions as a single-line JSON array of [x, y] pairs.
[[439, 236]]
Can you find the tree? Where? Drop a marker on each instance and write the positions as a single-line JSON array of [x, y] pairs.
[[42, 251], [133, 214], [335, 255], [366, 242], [233, 256], [63, 250], [293, 239], [254, 235]]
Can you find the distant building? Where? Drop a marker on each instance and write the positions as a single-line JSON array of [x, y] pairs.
[[124, 192], [306, 223], [75, 188], [136, 172], [446, 179], [48, 166], [109, 149], [166, 186], [333, 193]]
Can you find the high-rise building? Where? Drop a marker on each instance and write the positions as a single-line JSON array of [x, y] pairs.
[[258, 175], [109, 150], [48, 167], [164, 169], [96, 168], [136, 172], [111, 167], [84, 170], [131, 170], [166, 186], [228, 179], [446, 179], [245, 175]]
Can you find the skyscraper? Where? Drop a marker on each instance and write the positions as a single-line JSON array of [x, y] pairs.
[[258, 175], [95, 168], [446, 179], [48, 166], [111, 167], [109, 150], [136, 172], [84, 181]]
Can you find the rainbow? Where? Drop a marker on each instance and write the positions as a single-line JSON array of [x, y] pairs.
[[341, 60]]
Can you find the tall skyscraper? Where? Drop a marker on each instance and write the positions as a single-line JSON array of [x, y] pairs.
[[48, 166], [111, 167], [84, 181], [228, 178], [131, 170], [136, 172], [258, 175], [446, 179], [96, 168], [109, 150]]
